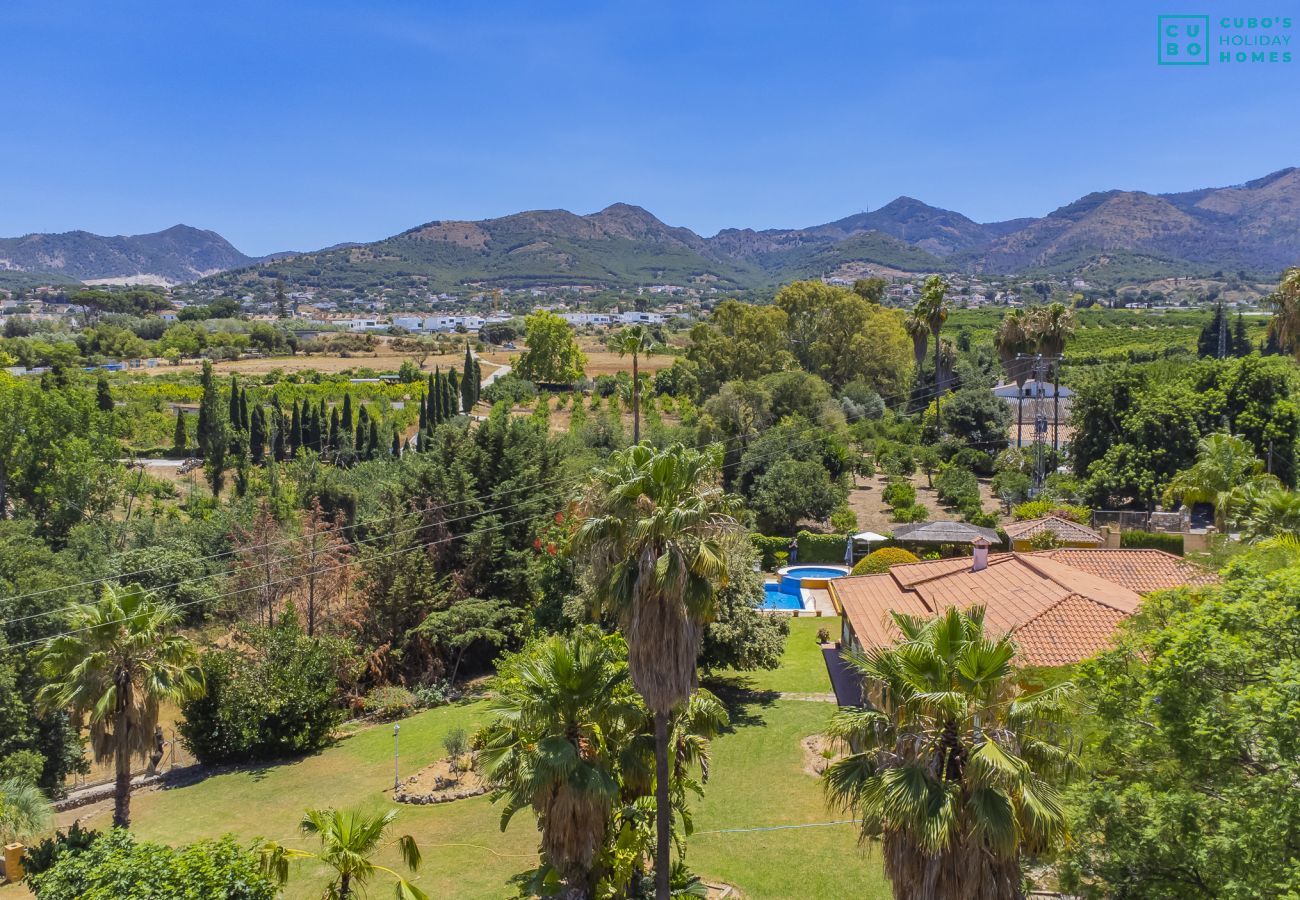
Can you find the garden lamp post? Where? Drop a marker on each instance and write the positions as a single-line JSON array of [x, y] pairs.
[[397, 779]]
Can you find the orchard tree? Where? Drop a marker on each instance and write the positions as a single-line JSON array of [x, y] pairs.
[[552, 355]]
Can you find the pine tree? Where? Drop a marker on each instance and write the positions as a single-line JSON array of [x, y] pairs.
[[257, 436], [179, 438], [103, 394], [347, 412]]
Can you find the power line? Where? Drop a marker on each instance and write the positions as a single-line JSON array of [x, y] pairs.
[[248, 549], [235, 551]]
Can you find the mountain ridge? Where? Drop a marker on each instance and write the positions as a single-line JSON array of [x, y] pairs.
[[1253, 225]]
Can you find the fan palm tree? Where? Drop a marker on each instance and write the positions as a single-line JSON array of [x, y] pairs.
[[919, 331], [950, 769], [24, 810], [348, 840], [1225, 466], [120, 659], [1012, 341], [933, 311], [1052, 328], [1284, 327], [1274, 512], [637, 341], [655, 525], [562, 710]]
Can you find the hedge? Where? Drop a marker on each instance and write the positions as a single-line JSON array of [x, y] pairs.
[[813, 548], [1152, 540], [821, 548], [768, 547]]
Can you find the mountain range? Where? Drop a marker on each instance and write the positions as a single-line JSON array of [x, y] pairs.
[[1108, 235]]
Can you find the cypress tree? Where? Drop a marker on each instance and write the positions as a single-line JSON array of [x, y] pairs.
[[103, 394], [453, 381], [467, 383], [334, 430], [207, 408], [397, 443], [428, 405], [257, 436], [347, 412], [277, 433], [295, 431], [233, 411], [478, 380], [244, 418], [372, 445], [424, 416], [179, 438], [361, 441]]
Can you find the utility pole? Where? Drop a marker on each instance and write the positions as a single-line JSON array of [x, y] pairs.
[[1040, 422]]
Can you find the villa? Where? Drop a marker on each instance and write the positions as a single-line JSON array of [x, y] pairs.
[[1061, 606]]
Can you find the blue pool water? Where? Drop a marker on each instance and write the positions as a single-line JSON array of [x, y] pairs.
[[775, 598]]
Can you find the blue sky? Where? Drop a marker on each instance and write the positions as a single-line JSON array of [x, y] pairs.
[[294, 125]]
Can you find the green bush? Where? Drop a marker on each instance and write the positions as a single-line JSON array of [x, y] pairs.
[[821, 548], [391, 702], [899, 493], [278, 698], [1152, 540], [916, 513], [1036, 509], [879, 561], [114, 866], [956, 486]]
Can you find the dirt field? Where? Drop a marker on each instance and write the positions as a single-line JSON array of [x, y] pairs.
[[384, 360], [599, 362], [873, 514]]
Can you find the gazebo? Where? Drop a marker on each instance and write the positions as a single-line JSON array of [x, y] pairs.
[[944, 533]]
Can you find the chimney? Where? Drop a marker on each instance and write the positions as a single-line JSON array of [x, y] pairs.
[[981, 557]]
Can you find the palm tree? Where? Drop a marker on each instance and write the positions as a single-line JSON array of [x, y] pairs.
[[562, 708], [638, 341], [949, 767], [1012, 341], [347, 839], [1225, 467], [24, 810], [654, 531], [1052, 327], [1275, 511], [120, 659], [933, 311], [1284, 327]]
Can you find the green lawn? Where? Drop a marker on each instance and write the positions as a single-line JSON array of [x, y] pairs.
[[758, 780]]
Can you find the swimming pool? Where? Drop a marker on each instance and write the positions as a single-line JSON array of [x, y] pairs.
[[775, 598], [793, 578]]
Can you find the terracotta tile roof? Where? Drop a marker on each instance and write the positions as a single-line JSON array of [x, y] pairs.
[[1061, 605], [1063, 528], [1142, 571]]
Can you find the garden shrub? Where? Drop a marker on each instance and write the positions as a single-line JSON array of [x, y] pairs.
[[1152, 540], [899, 493], [115, 866], [1036, 509], [821, 548], [391, 702], [879, 561], [511, 388], [278, 698], [977, 461], [915, 513], [956, 486]]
